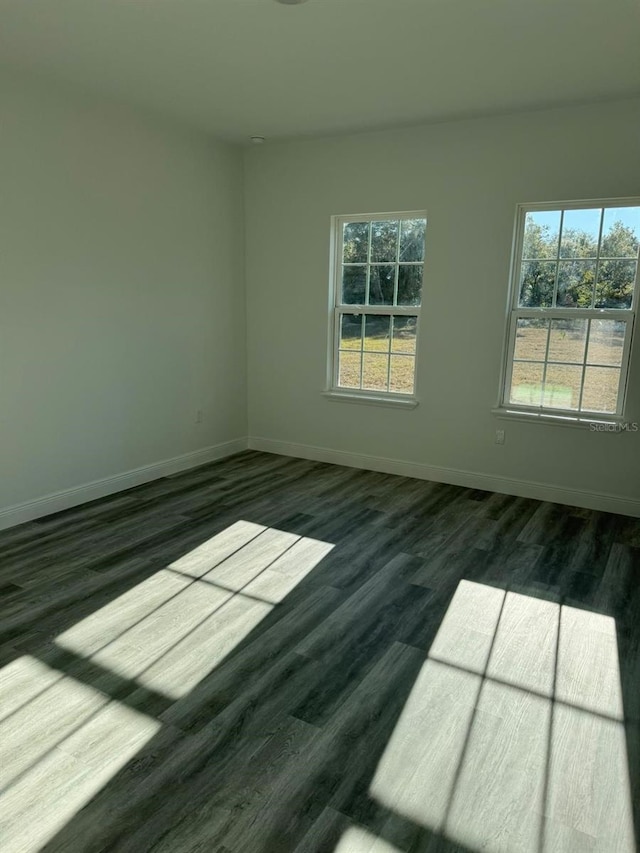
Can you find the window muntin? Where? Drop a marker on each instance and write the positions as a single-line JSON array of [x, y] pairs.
[[574, 280], [377, 287]]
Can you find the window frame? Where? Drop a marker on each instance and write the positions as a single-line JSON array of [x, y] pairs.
[[515, 312], [337, 309]]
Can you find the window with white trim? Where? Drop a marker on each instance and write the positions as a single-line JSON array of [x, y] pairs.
[[376, 299], [573, 295]]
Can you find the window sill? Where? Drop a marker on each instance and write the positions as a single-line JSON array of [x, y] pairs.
[[606, 423], [371, 399]]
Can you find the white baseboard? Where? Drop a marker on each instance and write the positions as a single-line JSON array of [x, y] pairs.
[[19, 513], [68, 498], [469, 479]]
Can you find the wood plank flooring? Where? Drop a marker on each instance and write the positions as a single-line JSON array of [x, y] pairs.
[[271, 655]]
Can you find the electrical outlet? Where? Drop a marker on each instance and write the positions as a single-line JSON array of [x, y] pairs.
[[199, 416], [499, 436]]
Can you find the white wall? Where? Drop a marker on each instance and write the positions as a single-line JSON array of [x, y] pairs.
[[469, 176], [122, 304]]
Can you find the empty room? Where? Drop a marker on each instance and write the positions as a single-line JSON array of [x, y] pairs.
[[319, 426]]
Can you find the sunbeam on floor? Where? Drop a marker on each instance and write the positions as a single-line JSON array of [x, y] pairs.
[[356, 839], [173, 628], [513, 735], [61, 740]]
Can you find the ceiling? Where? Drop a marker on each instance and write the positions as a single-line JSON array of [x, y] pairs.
[[253, 67]]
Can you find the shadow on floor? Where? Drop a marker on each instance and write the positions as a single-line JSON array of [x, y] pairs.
[[276, 746]]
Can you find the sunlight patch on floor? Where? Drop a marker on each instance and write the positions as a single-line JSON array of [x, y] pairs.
[[359, 840], [168, 632], [513, 737], [61, 740], [60, 743]]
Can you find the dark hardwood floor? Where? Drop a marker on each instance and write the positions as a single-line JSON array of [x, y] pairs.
[[271, 654]]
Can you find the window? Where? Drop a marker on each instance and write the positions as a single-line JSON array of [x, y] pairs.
[[575, 271], [377, 292]]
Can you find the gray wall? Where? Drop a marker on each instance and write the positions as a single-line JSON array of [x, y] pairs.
[[469, 175], [122, 305], [122, 289]]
